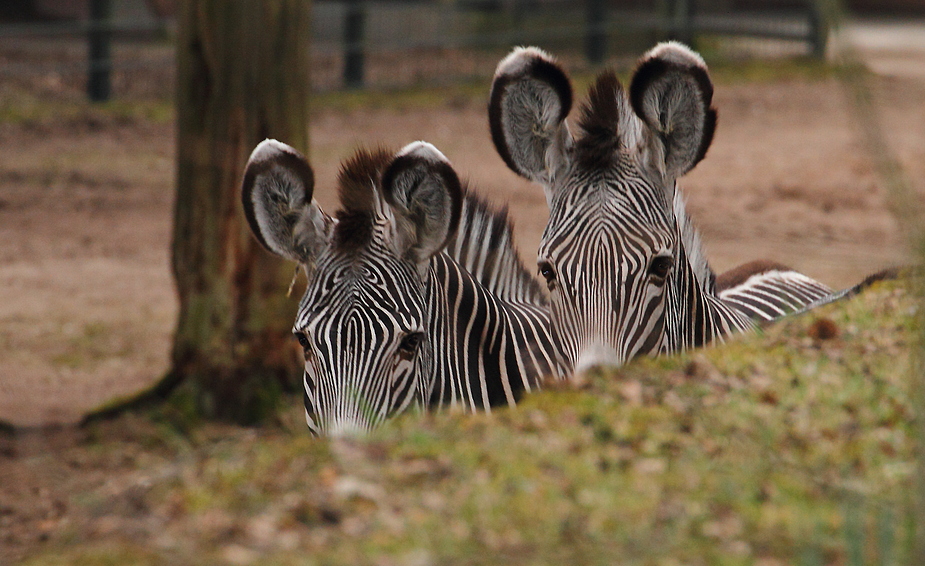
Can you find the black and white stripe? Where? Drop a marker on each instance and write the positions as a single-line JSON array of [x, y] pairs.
[[604, 242], [487, 351], [402, 308], [768, 295], [484, 247]]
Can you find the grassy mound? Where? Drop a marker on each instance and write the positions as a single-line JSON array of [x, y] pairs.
[[791, 446]]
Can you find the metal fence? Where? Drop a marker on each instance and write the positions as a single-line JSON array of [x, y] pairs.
[[389, 44]]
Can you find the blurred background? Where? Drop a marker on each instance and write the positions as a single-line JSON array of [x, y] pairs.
[[87, 131], [402, 43], [818, 162]]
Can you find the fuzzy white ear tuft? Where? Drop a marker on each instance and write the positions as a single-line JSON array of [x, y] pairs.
[[530, 99], [672, 93], [677, 53], [269, 149], [423, 150], [276, 193], [426, 196], [517, 61]]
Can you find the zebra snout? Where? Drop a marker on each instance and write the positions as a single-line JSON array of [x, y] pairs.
[[346, 429], [597, 356]]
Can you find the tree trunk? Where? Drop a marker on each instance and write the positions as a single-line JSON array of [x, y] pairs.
[[242, 77]]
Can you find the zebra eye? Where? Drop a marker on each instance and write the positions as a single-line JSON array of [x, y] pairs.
[[548, 273], [307, 352], [411, 342], [659, 269]]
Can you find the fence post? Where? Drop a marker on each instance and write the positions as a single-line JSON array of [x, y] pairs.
[[681, 21], [100, 56], [686, 17], [596, 31], [818, 28], [354, 24]]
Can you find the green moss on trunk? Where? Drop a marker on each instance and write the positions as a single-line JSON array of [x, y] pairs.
[[242, 77]]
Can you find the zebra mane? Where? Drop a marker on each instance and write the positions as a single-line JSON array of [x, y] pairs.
[[606, 121], [360, 200], [693, 246], [484, 246]]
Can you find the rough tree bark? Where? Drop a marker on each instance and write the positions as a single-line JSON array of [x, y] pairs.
[[242, 77]]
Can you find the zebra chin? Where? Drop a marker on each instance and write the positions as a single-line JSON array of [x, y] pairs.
[[340, 428], [597, 356], [347, 429]]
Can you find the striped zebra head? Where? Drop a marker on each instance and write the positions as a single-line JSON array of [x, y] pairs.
[[363, 317], [612, 252]]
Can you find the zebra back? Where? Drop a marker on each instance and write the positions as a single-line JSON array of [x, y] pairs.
[[766, 291], [484, 247]]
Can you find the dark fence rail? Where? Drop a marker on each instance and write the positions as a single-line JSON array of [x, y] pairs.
[[389, 44]]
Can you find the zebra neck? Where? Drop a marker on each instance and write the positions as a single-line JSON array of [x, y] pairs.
[[693, 246], [484, 246], [483, 351], [694, 316]]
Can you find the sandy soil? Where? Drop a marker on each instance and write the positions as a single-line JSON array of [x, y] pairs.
[[87, 304]]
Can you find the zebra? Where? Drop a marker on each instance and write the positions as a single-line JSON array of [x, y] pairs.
[[621, 258], [389, 319]]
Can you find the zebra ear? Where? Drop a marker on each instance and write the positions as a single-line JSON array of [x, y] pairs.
[[530, 98], [671, 92], [422, 188], [277, 196]]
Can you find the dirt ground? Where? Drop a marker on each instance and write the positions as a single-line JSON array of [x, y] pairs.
[[87, 304]]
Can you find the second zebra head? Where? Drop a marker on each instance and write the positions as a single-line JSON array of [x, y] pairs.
[[620, 257]]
